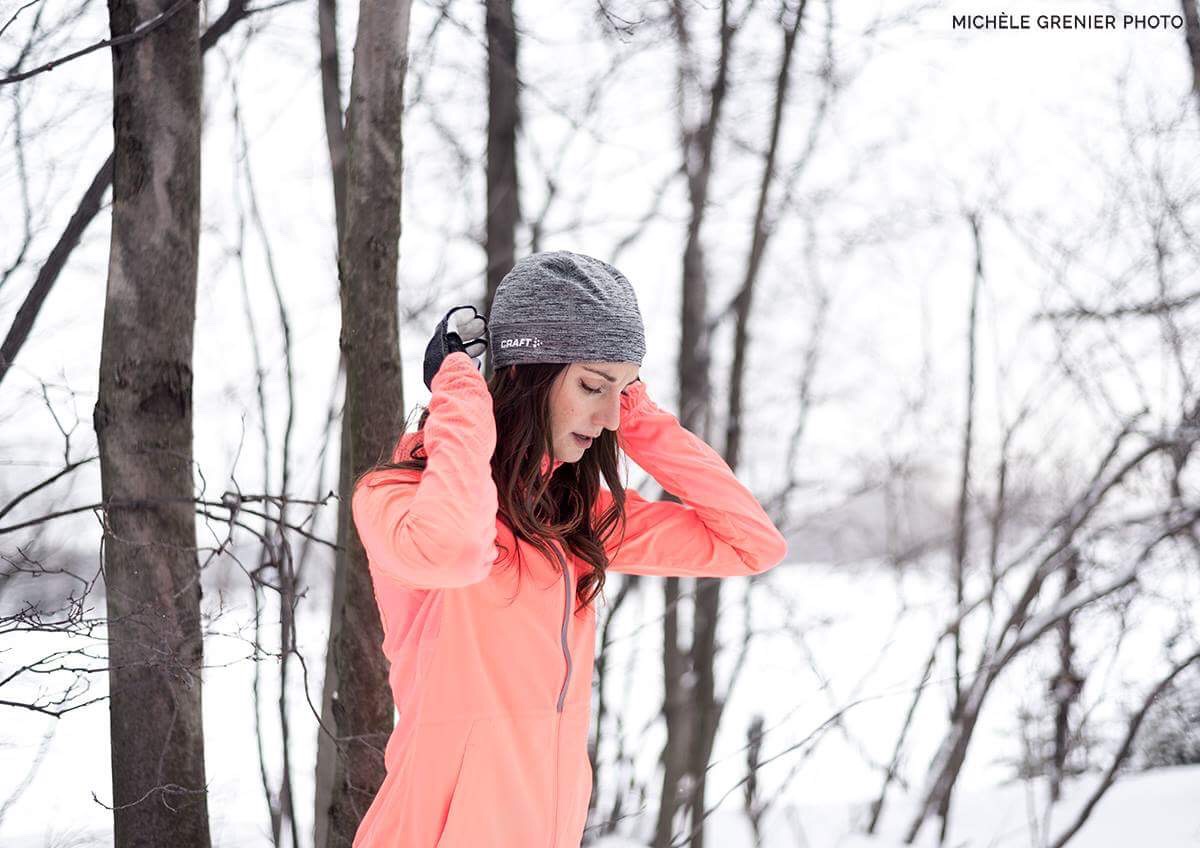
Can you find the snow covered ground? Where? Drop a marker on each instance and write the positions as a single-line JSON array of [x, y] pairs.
[[1159, 808], [845, 632]]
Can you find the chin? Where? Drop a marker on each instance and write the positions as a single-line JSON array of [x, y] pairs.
[[573, 455]]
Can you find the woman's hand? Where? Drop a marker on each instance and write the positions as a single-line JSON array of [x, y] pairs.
[[468, 336], [633, 397]]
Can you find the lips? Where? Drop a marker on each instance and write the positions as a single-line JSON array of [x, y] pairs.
[[583, 440]]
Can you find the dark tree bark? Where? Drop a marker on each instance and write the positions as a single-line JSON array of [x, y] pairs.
[[676, 705], [750, 792], [335, 136], [143, 421], [759, 239], [708, 703], [692, 728], [629, 584], [503, 208], [691, 710], [961, 523], [1065, 687], [331, 102], [1191, 19], [328, 749], [369, 251]]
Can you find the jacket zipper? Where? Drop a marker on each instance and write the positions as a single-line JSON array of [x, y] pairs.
[[566, 574], [562, 695]]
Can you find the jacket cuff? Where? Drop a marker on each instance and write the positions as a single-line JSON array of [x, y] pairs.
[[635, 401], [456, 362]]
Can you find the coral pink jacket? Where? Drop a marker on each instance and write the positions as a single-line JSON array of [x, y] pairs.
[[493, 679]]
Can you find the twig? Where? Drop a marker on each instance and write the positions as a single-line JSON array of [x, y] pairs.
[[140, 31]]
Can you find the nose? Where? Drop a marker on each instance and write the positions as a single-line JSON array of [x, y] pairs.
[[610, 416]]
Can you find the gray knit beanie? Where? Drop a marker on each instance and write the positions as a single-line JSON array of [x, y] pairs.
[[558, 306]]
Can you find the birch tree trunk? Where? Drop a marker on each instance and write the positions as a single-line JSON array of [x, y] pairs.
[[143, 422]]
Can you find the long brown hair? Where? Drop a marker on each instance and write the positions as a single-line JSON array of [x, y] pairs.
[[541, 507]]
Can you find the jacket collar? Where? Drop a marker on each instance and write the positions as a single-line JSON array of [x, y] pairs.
[[546, 464]]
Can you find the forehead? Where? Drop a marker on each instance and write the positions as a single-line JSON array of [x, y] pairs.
[[619, 372]]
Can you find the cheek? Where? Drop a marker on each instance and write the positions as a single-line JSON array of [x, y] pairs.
[[571, 413], [564, 412]]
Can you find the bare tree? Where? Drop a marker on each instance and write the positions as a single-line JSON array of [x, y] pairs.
[[1051, 578], [1064, 688], [1191, 16], [694, 711], [1171, 736], [1110, 775], [688, 708], [143, 421], [751, 793], [959, 560], [1023, 625], [368, 255], [335, 136], [41, 602], [276, 573], [504, 116], [85, 212], [274, 550]]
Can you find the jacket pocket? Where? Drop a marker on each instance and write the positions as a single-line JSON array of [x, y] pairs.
[[455, 832], [505, 793]]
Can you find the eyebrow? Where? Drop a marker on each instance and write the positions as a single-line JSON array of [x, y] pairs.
[[603, 374]]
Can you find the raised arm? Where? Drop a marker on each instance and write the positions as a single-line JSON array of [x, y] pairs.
[[437, 529], [719, 530]]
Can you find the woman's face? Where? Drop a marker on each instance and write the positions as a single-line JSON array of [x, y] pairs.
[[584, 400]]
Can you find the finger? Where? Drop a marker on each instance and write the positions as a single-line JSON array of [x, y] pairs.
[[475, 348], [472, 324], [471, 328]]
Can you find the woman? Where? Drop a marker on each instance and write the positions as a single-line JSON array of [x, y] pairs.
[[489, 536]]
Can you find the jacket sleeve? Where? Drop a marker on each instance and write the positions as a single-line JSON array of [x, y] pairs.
[[436, 529], [720, 529]]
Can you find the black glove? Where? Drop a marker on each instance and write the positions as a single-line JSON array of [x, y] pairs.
[[469, 336]]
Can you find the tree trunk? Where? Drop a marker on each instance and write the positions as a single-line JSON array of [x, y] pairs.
[[676, 708], [331, 107], [1191, 19], [335, 138], [706, 707], [961, 522], [329, 752], [1064, 688], [503, 208], [691, 709], [760, 236], [143, 422], [362, 704]]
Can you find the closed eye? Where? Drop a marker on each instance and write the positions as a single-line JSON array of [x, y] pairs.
[[589, 389]]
